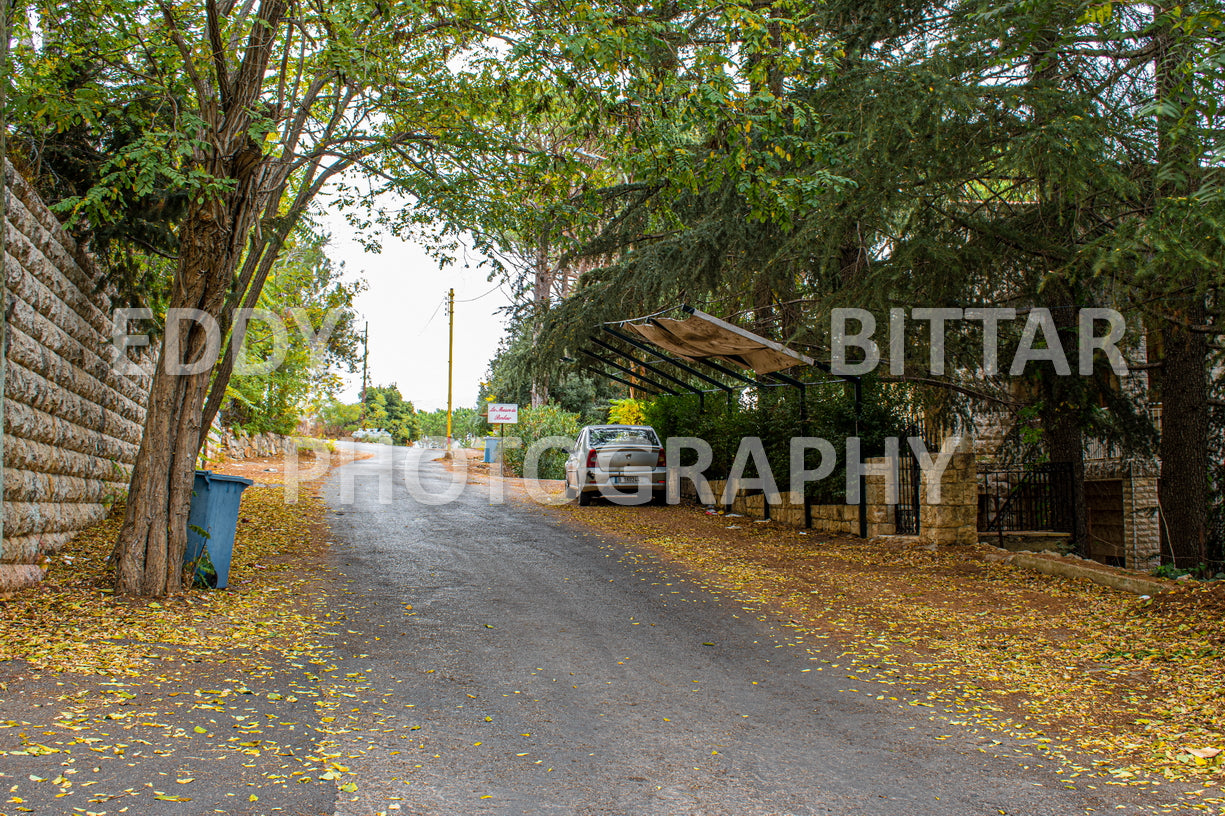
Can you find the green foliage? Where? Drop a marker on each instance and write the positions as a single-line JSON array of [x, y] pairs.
[[893, 154], [466, 423], [583, 394], [88, 133], [311, 446], [339, 419], [386, 408], [305, 291], [774, 416], [203, 573], [1169, 571], [538, 423], [117, 105], [1200, 572]]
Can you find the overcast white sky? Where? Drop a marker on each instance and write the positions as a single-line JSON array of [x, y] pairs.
[[407, 346]]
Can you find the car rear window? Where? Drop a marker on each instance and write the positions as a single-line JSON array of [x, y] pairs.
[[623, 436]]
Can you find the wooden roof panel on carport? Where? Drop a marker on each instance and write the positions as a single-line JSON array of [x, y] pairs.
[[701, 336]]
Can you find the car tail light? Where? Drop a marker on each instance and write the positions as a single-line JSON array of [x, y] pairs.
[[662, 461], [591, 454]]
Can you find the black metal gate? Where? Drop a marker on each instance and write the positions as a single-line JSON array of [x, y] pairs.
[[906, 511], [1038, 498]]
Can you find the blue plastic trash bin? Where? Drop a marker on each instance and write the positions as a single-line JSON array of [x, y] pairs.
[[491, 448], [213, 521]]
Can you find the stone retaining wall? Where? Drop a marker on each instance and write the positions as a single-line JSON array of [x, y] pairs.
[[72, 421], [240, 445]]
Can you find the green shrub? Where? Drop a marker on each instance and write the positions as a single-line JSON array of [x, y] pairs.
[[774, 415], [304, 444], [535, 424]]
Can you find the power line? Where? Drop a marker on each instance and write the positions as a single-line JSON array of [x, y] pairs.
[[434, 315], [478, 297]]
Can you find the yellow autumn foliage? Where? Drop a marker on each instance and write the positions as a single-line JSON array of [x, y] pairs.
[[627, 412]]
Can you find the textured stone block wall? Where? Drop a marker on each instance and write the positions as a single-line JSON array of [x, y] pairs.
[[240, 445], [953, 519], [72, 421], [1141, 522]]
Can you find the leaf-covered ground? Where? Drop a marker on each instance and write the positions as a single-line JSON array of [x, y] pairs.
[[1112, 689], [207, 701], [74, 622]]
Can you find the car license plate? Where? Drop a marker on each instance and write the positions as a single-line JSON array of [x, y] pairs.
[[625, 480]]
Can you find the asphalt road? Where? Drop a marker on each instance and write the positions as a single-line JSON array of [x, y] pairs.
[[545, 670]]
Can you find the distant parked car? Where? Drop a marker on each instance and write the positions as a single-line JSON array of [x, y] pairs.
[[616, 458]]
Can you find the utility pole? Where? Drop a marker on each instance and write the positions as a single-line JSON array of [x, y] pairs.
[[365, 356], [450, 358]]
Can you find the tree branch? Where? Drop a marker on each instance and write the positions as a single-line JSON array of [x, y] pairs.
[[189, 65], [249, 77], [960, 389], [214, 43]]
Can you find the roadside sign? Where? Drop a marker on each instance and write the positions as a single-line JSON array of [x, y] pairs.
[[503, 413]]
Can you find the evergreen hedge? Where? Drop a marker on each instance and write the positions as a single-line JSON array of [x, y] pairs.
[[774, 415]]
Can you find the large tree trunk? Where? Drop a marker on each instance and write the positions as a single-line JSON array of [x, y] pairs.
[[1184, 441], [153, 538], [1183, 490], [154, 534], [541, 295]]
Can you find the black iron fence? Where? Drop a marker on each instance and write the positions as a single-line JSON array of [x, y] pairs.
[[906, 511], [1038, 497]]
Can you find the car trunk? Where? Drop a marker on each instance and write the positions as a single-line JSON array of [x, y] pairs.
[[626, 459]]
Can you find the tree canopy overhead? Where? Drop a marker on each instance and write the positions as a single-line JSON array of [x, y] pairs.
[[768, 161], [239, 115], [779, 160]]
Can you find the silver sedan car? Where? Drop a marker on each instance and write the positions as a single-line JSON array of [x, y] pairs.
[[625, 463]]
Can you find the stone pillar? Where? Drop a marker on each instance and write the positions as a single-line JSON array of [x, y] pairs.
[[954, 519], [1141, 522], [881, 515]]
